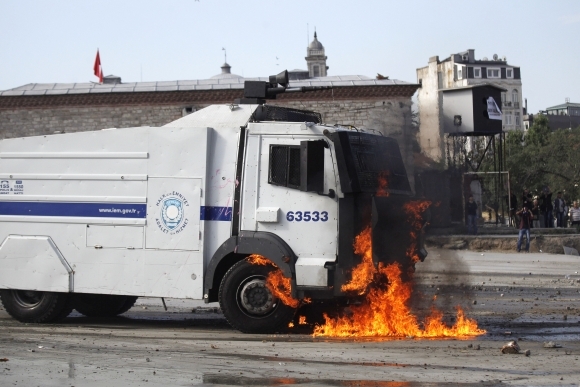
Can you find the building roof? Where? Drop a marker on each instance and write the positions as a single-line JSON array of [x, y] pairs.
[[227, 83], [472, 87], [564, 106]]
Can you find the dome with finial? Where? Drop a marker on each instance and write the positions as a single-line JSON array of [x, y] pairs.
[[315, 44], [226, 73]]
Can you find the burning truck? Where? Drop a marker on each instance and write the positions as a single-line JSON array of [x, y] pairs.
[[248, 204]]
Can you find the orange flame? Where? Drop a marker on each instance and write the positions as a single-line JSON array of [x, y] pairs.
[[363, 273], [385, 310], [383, 184], [302, 320], [280, 286], [414, 211]]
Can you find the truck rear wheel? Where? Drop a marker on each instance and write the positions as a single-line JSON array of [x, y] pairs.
[[246, 302], [99, 305], [131, 300], [35, 307]]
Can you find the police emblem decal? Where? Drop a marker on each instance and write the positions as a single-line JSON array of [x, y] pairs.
[[172, 219]]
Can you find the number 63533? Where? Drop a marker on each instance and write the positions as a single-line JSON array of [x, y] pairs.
[[306, 216]]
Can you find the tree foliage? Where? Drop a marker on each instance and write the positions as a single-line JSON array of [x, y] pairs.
[[543, 158]]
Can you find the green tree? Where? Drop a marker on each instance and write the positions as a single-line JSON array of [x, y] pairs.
[[542, 158], [539, 132]]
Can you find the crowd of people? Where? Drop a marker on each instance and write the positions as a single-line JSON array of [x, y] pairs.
[[545, 212], [534, 212]]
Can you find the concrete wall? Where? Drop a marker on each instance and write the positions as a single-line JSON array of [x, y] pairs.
[[34, 122], [430, 101]]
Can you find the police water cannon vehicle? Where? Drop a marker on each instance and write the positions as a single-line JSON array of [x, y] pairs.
[[94, 220]]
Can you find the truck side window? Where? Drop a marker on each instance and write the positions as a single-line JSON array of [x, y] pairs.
[[284, 166]]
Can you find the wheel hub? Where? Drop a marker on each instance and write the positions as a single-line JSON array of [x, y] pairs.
[[27, 298], [256, 298]]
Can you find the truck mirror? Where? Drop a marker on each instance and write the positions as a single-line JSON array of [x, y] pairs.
[[312, 165]]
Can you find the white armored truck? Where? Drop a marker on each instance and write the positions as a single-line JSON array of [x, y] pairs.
[[93, 220]]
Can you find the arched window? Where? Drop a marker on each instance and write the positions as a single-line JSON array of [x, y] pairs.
[[515, 95]]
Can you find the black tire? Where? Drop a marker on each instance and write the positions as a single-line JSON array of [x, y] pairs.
[[98, 305], [131, 300], [259, 311], [36, 307]]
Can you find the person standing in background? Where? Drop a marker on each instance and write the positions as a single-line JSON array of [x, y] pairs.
[[575, 215], [559, 206], [525, 223], [546, 204], [471, 211]]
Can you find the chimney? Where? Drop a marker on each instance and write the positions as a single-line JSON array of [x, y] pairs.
[[111, 80]]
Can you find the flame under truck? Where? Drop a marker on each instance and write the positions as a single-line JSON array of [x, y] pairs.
[[93, 220]]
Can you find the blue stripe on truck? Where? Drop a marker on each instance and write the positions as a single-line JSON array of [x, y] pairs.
[[99, 210], [216, 213], [74, 209]]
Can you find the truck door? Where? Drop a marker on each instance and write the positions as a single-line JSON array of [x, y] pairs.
[[176, 177], [273, 202]]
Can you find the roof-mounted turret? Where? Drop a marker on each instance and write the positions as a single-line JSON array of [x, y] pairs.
[[257, 92]]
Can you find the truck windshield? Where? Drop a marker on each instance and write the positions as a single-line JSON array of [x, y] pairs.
[[363, 158]]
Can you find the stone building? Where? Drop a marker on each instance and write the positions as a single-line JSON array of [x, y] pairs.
[[461, 70], [366, 103]]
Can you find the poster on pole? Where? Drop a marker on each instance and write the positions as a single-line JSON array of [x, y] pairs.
[[493, 110]]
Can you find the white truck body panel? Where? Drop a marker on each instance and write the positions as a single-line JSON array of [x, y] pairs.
[[141, 211], [102, 208]]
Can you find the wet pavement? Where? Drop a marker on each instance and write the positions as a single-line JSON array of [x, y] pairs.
[[531, 298]]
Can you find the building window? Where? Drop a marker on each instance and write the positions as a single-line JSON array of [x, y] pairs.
[[493, 73], [509, 73], [316, 71], [502, 98], [284, 167], [508, 119], [515, 96], [518, 120], [459, 72], [477, 72]]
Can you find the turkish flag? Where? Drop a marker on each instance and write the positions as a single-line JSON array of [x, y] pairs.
[[98, 68]]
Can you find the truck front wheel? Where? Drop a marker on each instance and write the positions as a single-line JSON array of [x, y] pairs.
[[35, 307], [248, 304]]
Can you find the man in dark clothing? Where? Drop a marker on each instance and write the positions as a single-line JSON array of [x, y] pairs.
[[547, 207], [525, 223], [527, 199], [471, 211], [559, 205]]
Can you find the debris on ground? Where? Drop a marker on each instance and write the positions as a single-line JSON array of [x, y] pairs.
[[551, 344], [4, 359], [512, 348]]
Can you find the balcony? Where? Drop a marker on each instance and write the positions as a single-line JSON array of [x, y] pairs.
[[506, 104], [516, 104]]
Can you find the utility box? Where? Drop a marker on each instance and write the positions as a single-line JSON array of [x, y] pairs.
[[472, 110]]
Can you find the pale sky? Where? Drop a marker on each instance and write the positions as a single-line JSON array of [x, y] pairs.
[[56, 41]]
